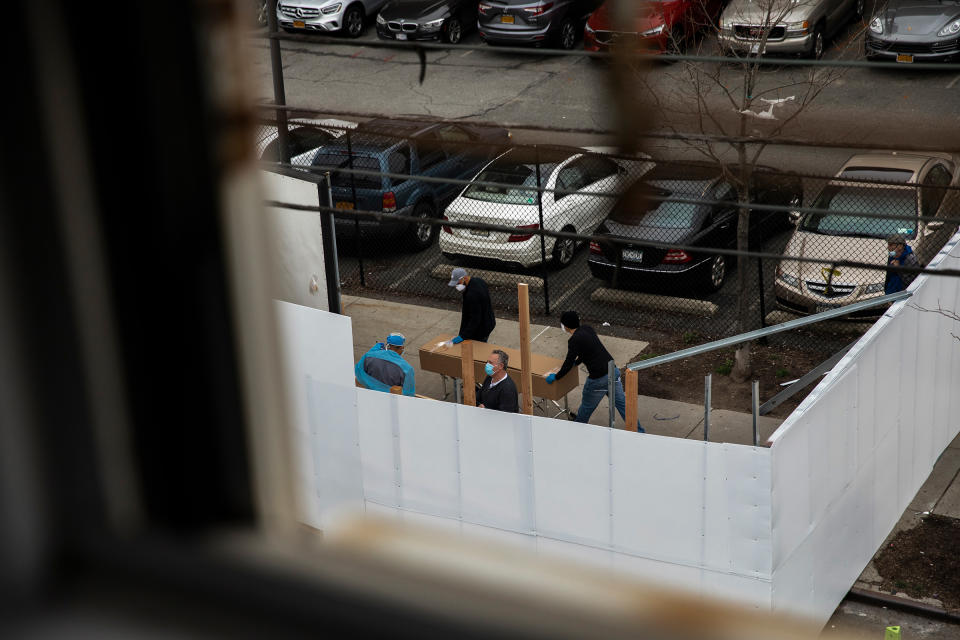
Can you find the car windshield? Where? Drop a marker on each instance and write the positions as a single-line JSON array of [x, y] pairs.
[[844, 200], [643, 205], [519, 183], [342, 161]]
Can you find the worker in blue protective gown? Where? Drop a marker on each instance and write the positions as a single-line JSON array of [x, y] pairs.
[[383, 367]]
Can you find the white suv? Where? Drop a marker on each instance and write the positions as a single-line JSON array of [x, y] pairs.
[[326, 15]]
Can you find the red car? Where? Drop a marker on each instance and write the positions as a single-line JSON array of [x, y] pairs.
[[659, 26]]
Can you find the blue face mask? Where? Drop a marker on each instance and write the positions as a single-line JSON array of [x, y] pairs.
[[488, 369]]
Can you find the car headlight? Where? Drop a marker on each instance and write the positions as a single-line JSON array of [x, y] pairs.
[[783, 276], [876, 287], [588, 28], [798, 28], [433, 25], [655, 31], [876, 25], [380, 19], [334, 8], [951, 29]]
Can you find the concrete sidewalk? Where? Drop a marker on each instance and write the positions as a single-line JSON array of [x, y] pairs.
[[374, 319]]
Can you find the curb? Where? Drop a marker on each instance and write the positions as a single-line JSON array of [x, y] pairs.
[[672, 304], [493, 278]]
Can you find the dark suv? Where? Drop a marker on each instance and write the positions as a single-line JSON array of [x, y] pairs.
[[556, 22], [415, 149]]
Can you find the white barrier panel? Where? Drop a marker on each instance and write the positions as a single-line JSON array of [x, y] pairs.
[[852, 456], [317, 349], [297, 243], [691, 514]]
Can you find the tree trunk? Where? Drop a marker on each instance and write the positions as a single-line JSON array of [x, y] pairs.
[[742, 367]]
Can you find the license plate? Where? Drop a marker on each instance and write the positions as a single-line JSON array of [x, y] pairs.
[[299, 24], [634, 255], [755, 48], [344, 205], [826, 307], [904, 57], [480, 232], [506, 19], [401, 36]]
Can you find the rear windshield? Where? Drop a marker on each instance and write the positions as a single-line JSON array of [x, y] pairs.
[[842, 200], [518, 183], [880, 175], [300, 140], [342, 178], [643, 205]]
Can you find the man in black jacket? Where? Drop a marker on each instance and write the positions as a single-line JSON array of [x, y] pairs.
[[585, 347], [476, 317], [498, 391]]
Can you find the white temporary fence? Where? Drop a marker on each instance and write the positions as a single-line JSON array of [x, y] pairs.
[[787, 528], [851, 457]]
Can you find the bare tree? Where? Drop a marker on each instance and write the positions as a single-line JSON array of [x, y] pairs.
[[744, 99]]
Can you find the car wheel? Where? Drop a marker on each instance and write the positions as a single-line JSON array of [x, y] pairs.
[[421, 234], [716, 273], [816, 47], [567, 36], [454, 31], [675, 41], [353, 21], [563, 250]]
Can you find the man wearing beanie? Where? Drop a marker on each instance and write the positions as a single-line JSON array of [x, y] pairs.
[[584, 347]]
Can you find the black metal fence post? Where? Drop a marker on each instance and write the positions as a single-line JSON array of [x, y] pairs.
[[279, 94], [356, 220], [543, 242], [329, 238]]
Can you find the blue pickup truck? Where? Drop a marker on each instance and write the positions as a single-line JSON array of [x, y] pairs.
[[415, 149]]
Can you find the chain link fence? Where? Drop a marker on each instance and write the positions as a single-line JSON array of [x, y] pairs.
[[632, 241]]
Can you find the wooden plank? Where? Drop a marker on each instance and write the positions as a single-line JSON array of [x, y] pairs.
[[630, 382], [469, 379], [526, 373]]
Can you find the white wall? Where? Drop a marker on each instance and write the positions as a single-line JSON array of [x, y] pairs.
[[852, 456], [296, 242]]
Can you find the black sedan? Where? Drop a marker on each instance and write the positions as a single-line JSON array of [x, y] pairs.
[[448, 20], [641, 215], [914, 30]]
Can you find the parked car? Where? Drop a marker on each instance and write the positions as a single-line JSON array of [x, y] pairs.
[[415, 149], [576, 174], [908, 30], [555, 22], [909, 185], [785, 26], [326, 16], [304, 137], [642, 216], [427, 19], [657, 25]]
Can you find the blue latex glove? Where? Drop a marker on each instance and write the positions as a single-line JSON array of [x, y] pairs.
[[551, 377], [457, 340]]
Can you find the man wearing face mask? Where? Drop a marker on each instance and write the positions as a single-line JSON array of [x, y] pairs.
[[899, 254], [476, 317], [383, 367], [498, 391], [584, 347]]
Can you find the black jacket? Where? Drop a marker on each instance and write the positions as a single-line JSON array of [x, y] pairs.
[[502, 397], [585, 347], [476, 319]]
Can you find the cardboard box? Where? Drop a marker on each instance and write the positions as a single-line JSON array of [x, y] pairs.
[[447, 361]]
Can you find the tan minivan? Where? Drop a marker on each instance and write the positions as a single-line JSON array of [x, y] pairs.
[[902, 185]]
